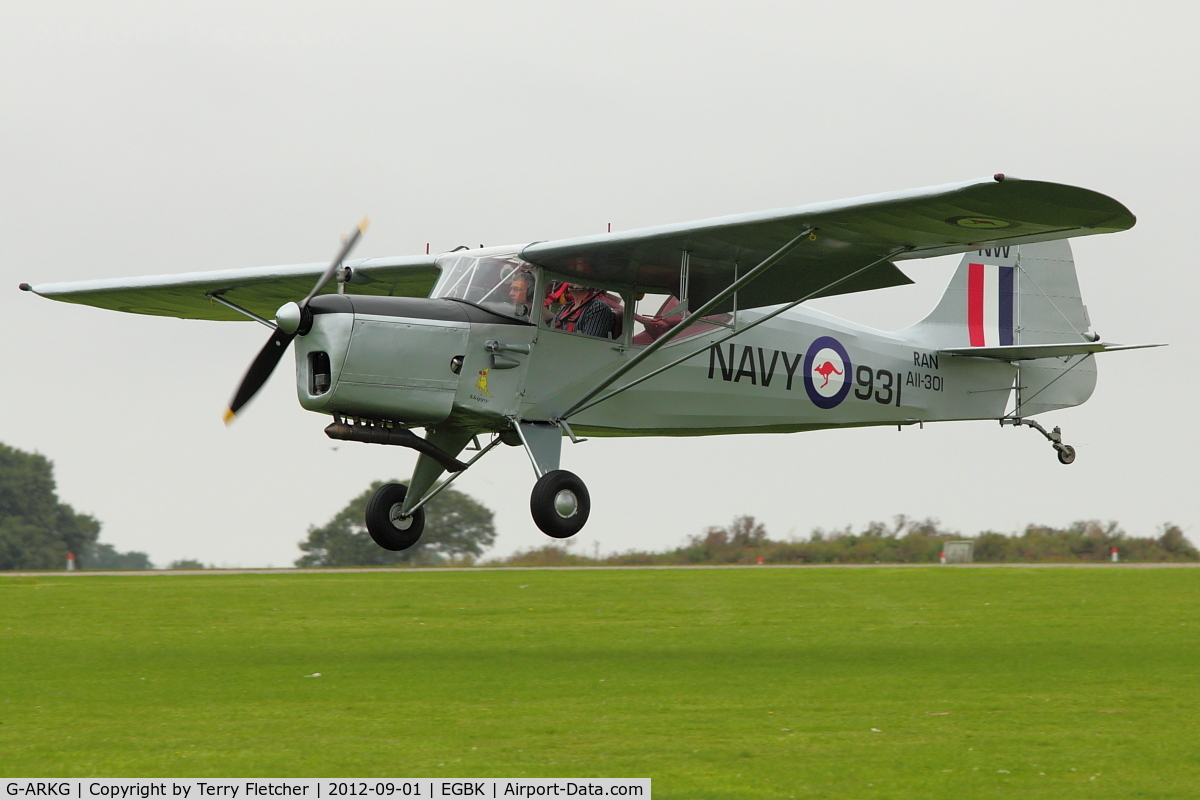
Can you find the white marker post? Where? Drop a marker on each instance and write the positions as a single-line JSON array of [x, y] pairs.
[[70, 562], [1115, 555]]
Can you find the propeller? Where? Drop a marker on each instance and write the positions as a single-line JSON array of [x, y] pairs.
[[293, 319]]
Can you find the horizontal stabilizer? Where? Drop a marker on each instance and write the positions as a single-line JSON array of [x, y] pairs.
[[1029, 352]]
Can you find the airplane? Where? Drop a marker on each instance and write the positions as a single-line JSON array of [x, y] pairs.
[[691, 329]]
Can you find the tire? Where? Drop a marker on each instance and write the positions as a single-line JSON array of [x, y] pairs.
[[560, 504], [1066, 454], [390, 531]]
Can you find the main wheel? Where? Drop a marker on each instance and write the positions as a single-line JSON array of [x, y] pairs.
[[1066, 454], [390, 530], [560, 504]]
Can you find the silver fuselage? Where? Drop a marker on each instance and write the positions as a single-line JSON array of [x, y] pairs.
[[418, 362]]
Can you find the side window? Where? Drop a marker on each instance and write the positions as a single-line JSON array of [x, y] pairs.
[[584, 310], [658, 313]]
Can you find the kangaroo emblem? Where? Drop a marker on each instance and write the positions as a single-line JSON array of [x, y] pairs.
[[481, 384], [825, 370]]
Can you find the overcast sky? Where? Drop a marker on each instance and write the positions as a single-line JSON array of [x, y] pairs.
[[147, 137]]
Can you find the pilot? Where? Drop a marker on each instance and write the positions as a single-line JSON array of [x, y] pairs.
[[520, 292], [585, 312]]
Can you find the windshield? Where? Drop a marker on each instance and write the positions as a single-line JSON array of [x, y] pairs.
[[502, 283]]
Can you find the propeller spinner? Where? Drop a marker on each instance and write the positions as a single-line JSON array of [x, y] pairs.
[[292, 319]]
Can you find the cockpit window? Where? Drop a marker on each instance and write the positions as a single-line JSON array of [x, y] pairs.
[[502, 283]]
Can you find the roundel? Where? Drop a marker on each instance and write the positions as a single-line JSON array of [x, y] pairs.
[[827, 372], [981, 222]]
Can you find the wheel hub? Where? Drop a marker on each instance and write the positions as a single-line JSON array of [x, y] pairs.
[[566, 504], [401, 522]]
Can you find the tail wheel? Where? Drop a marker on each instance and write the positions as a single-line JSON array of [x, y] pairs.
[[560, 504], [1066, 454], [387, 527]]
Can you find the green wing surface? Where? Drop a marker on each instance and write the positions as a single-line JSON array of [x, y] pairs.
[[261, 290], [850, 234]]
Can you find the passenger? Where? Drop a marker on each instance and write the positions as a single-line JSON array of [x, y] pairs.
[[555, 298], [585, 312]]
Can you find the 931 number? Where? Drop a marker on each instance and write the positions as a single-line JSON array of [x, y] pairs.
[[885, 393]]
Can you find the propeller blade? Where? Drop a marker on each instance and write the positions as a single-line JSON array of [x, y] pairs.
[[337, 261], [267, 359], [261, 369]]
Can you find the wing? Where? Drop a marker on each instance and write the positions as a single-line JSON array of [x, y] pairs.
[[850, 234], [261, 290]]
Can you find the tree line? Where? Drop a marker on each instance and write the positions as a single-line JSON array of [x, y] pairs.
[[37, 531], [905, 541]]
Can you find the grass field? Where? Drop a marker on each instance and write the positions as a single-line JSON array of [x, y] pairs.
[[752, 683]]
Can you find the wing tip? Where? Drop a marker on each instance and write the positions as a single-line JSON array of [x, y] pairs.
[[228, 416]]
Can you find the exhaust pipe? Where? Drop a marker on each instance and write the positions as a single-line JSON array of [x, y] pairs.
[[373, 432]]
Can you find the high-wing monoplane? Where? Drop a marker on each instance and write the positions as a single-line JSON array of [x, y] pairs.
[[680, 330]]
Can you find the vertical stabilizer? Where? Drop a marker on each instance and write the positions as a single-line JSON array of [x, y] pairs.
[[1024, 294]]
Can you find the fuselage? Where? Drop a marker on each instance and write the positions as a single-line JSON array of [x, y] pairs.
[[801, 370], [480, 365]]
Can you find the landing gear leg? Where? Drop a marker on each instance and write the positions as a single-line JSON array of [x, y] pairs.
[[560, 503], [1066, 453]]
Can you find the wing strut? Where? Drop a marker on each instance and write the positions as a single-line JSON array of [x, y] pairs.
[[582, 405], [670, 335], [229, 304]]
